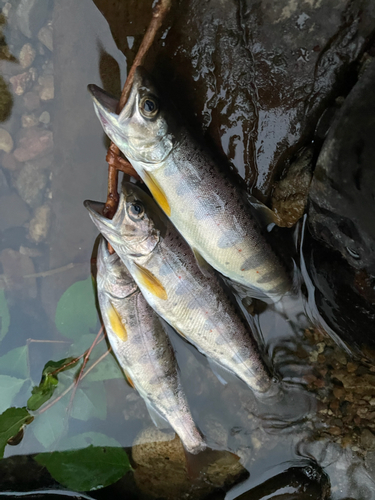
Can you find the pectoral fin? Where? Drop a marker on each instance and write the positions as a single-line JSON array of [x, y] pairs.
[[151, 282], [156, 417], [157, 192], [265, 215], [116, 324], [129, 379], [203, 265]]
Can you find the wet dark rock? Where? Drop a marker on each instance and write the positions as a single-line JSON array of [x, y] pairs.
[[31, 183], [254, 78], [14, 211], [23, 473], [12, 238], [341, 214], [31, 15]]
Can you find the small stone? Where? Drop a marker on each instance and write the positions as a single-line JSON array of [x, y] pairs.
[[31, 15], [40, 224], [29, 120], [31, 101], [27, 55], [6, 141], [339, 392], [351, 367], [341, 358], [14, 211], [30, 252], [45, 36], [34, 144], [45, 117], [372, 401], [335, 430], [21, 82], [48, 89], [6, 9], [30, 184]]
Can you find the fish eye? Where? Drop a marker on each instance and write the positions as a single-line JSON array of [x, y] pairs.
[[136, 210], [149, 106]]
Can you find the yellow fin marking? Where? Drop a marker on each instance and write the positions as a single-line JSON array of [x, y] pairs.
[[151, 282], [116, 324], [157, 193], [129, 380]]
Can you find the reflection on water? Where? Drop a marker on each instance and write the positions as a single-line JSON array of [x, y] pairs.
[[52, 158]]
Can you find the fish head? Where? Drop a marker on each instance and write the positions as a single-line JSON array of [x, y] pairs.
[[142, 130], [112, 277], [137, 225]]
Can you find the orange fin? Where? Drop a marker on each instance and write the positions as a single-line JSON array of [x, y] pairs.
[[151, 282], [117, 325], [157, 192], [129, 379]]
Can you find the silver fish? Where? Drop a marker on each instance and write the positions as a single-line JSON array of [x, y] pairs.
[[165, 270], [142, 348], [199, 199]]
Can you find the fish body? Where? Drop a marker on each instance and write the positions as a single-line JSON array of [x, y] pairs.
[[203, 205], [142, 348], [164, 267]]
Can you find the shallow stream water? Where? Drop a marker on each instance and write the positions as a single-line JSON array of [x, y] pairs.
[[53, 158]]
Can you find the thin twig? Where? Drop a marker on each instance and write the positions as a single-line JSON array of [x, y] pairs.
[[43, 274]]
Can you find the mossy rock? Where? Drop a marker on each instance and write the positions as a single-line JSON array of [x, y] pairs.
[[6, 100]]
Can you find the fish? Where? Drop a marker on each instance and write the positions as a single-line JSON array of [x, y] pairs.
[[164, 267], [206, 208], [143, 350]]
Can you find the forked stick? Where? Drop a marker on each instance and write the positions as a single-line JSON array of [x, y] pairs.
[[115, 162]]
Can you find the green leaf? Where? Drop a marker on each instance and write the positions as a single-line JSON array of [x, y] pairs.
[[14, 363], [87, 469], [44, 391], [49, 426], [76, 313], [4, 315], [9, 388], [90, 401], [11, 422]]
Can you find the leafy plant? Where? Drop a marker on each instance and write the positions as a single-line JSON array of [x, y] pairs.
[[11, 422]]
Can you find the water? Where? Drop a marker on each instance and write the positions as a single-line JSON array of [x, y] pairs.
[[47, 305]]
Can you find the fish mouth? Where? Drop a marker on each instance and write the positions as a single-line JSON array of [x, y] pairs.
[[96, 212], [103, 99]]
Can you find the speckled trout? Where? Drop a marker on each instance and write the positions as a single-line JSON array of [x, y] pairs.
[[204, 206], [164, 267], [143, 349]]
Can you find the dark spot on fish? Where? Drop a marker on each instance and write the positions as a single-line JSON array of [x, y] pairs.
[[253, 262], [267, 277]]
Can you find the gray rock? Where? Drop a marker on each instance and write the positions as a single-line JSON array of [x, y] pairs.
[[31, 15], [30, 184], [22, 81], [40, 224], [29, 120], [47, 91], [14, 211], [45, 36], [31, 101], [16, 266], [45, 118]]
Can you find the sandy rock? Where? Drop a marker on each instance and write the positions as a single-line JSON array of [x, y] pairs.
[[161, 467], [27, 55], [6, 141], [14, 211], [21, 82], [31, 101], [29, 120], [34, 144], [45, 118], [40, 224], [47, 91], [31, 15], [45, 36], [30, 184]]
